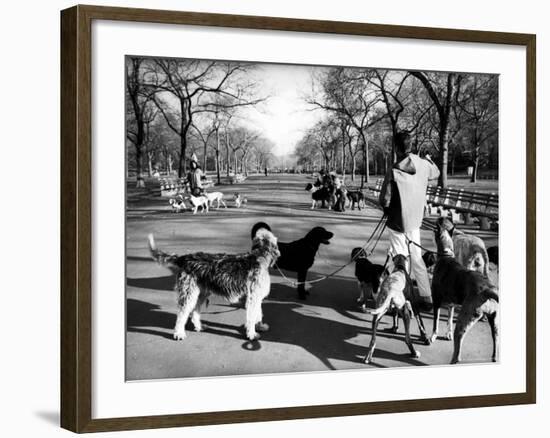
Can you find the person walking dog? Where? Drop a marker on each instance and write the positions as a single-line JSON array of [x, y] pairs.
[[403, 199], [194, 177]]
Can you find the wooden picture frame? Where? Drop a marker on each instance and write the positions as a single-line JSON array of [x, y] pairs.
[[76, 218]]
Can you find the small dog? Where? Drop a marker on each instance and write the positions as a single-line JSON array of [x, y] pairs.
[[356, 197], [232, 276], [368, 275], [215, 196], [177, 204], [318, 194], [453, 284], [396, 291], [339, 203], [299, 256], [469, 250], [239, 200]]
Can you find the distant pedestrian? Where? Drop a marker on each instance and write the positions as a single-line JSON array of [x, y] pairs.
[[265, 171]]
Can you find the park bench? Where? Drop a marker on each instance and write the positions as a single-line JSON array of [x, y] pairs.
[[236, 178], [172, 186], [208, 183], [462, 205]]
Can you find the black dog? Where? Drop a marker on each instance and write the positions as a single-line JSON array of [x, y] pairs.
[[367, 273], [299, 256], [356, 197], [340, 203], [429, 258], [319, 193], [492, 252]]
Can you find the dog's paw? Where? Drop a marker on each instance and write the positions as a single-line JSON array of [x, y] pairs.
[[433, 338], [416, 354], [449, 336], [262, 327], [252, 336], [394, 329], [425, 340], [367, 359], [197, 327], [179, 336]]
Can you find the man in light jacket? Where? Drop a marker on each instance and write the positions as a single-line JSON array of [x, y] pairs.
[[403, 198]]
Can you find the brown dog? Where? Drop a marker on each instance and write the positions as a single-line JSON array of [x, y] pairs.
[[453, 284]]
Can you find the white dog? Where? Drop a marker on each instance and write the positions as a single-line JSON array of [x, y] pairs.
[[215, 196], [239, 200], [199, 201], [177, 204]]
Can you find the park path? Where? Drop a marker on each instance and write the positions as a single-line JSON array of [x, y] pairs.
[[326, 332]]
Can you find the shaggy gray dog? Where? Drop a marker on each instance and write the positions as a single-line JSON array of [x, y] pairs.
[[469, 250], [231, 276]]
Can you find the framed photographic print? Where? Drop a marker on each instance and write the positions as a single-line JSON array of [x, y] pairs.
[[292, 215]]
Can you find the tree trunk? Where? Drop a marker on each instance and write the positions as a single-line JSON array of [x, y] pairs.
[[227, 157], [473, 178], [150, 163], [245, 167], [181, 161], [353, 167], [365, 159], [343, 162], [140, 182], [205, 151], [444, 153], [218, 155]]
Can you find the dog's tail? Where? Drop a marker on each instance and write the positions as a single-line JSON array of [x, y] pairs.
[[384, 307], [161, 257]]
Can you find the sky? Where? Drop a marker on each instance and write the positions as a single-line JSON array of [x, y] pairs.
[[285, 116]]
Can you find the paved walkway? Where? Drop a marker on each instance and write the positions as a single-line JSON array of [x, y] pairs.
[[326, 332]]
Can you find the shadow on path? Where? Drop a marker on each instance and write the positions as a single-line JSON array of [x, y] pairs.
[[165, 283]]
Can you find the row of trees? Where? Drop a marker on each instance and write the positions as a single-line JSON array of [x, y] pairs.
[[449, 115], [179, 107]]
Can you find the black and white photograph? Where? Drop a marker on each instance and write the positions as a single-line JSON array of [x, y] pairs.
[[287, 218]]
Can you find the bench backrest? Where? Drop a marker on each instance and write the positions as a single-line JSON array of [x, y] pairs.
[[476, 202]]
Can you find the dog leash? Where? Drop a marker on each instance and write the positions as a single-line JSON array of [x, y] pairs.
[[379, 231], [409, 242], [381, 223]]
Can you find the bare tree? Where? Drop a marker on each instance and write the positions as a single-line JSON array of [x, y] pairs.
[[443, 89], [480, 106], [203, 135], [139, 113], [185, 87], [345, 92]]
